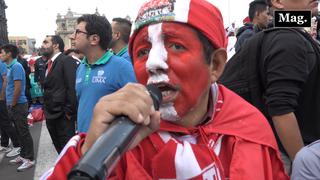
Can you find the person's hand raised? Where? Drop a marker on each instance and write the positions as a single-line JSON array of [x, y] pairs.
[[134, 101]]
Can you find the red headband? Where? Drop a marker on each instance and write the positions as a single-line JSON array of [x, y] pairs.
[[200, 14]]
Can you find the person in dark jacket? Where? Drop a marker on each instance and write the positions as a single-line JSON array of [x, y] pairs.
[[259, 16], [40, 70], [60, 105]]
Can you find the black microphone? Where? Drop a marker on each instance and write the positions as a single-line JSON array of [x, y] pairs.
[[100, 159]]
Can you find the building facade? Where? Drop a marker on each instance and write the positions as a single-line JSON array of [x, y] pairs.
[[24, 43], [66, 25]]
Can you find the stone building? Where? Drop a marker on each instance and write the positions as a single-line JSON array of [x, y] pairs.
[[66, 26], [24, 43]]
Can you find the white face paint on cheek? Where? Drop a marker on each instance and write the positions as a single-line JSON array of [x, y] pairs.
[[158, 54], [168, 112], [157, 60], [156, 78]]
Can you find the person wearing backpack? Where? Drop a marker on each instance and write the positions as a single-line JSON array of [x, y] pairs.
[[292, 76], [259, 19], [282, 80]]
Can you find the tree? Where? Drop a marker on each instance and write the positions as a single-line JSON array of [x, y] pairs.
[[3, 23]]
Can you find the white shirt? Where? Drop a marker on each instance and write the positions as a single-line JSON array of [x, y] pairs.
[[52, 60]]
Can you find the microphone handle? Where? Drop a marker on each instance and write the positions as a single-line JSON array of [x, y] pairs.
[[100, 159]]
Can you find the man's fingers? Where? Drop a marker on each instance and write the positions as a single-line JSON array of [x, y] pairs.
[[133, 101]]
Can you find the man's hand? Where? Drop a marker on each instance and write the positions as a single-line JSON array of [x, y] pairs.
[[68, 116], [134, 101]]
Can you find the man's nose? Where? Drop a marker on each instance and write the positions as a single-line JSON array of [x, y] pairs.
[[156, 64], [72, 36], [155, 71], [157, 60]]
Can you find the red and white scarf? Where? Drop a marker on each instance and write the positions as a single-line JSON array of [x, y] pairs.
[[192, 154]]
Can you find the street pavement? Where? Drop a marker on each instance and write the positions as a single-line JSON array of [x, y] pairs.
[[45, 156]]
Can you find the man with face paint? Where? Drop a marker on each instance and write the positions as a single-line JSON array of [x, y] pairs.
[[203, 130]]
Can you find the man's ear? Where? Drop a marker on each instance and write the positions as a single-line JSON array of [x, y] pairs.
[[55, 46], [9, 54], [256, 14], [95, 39], [278, 4], [118, 34], [217, 62]]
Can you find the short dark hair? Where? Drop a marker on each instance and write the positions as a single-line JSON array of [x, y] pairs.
[[10, 48], [98, 25], [56, 39], [257, 6], [207, 47], [124, 27]]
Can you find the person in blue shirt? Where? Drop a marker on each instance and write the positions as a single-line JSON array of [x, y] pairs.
[[7, 130], [121, 29], [18, 107], [101, 72]]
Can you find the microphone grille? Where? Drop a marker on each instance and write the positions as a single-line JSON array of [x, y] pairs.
[[155, 94]]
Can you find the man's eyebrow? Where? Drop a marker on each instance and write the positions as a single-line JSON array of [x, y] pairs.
[[172, 34], [143, 37]]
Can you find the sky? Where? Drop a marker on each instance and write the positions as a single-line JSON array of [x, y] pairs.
[[36, 18]]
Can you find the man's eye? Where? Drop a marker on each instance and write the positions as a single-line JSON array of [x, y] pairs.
[[143, 52], [177, 47]]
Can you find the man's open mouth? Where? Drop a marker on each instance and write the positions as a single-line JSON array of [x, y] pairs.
[[169, 92]]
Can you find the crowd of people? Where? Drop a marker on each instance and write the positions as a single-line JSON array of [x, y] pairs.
[[52, 80], [202, 129]]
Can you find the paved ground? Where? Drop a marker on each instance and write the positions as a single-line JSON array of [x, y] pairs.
[[45, 156]]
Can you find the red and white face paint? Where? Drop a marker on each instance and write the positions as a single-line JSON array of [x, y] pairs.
[[171, 56]]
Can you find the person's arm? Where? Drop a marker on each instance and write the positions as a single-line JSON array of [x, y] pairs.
[[3, 88], [70, 68], [289, 133], [16, 92], [287, 70], [18, 76]]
